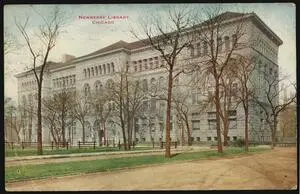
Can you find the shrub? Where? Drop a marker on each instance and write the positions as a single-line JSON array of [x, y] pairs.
[[239, 143]]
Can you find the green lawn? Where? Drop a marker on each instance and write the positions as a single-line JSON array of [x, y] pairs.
[[48, 151], [59, 169]]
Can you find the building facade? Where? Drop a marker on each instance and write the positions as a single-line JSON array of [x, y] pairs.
[[88, 73]]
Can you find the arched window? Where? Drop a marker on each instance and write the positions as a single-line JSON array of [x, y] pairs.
[[152, 83], [205, 49], [145, 85], [98, 86], [108, 68], [109, 84], [84, 73], [219, 44], [234, 40], [161, 82], [104, 69], [100, 69], [192, 51], [227, 43], [92, 71], [86, 89], [113, 67], [198, 49], [96, 70], [89, 73]]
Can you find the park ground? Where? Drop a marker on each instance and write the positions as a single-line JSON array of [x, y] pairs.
[[272, 169]]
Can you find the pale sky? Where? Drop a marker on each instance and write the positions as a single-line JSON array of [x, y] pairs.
[[80, 37]]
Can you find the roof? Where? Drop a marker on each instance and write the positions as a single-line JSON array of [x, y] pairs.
[[141, 43]]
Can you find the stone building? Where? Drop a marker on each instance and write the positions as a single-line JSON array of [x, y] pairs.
[[88, 73]]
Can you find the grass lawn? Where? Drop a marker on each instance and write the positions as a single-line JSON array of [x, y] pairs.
[[48, 151], [100, 165]]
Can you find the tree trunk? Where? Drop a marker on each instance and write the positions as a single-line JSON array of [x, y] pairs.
[[39, 117], [188, 132], [246, 130], [83, 132], [218, 107], [168, 143], [226, 129], [63, 128]]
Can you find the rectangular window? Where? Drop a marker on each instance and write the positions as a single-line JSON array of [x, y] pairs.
[[216, 138], [234, 138], [198, 138], [232, 112], [196, 125], [211, 114], [208, 138], [198, 49], [232, 123], [195, 114], [212, 124]]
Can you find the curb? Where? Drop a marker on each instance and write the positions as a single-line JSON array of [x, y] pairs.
[[97, 154]]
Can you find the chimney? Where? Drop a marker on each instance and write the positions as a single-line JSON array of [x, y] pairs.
[[67, 57]]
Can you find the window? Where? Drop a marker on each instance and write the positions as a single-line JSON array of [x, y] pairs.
[[151, 63], [192, 139], [205, 48], [232, 112], [108, 67], [104, 69], [113, 67], [198, 49], [89, 73], [84, 73], [270, 70], [195, 114], [232, 123], [145, 64], [145, 85], [212, 124], [96, 70], [140, 64], [219, 44], [208, 138], [156, 62], [228, 138], [216, 138], [234, 138], [92, 71], [227, 43], [211, 114], [100, 69], [198, 138], [234, 40], [192, 51], [193, 98], [86, 89], [196, 125]]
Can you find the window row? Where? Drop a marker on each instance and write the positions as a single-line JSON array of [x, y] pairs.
[[234, 138], [97, 86], [267, 49], [221, 44], [146, 64], [99, 70], [64, 81], [28, 84], [265, 69]]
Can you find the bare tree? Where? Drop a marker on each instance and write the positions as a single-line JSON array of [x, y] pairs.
[[169, 38], [80, 111], [243, 70], [48, 33], [102, 109], [128, 96], [268, 99], [217, 53]]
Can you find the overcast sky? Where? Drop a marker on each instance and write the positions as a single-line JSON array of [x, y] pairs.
[[80, 37]]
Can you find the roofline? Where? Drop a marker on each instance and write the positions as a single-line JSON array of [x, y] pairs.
[[256, 18]]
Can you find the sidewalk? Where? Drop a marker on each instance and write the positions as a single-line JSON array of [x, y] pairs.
[[178, 149]]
